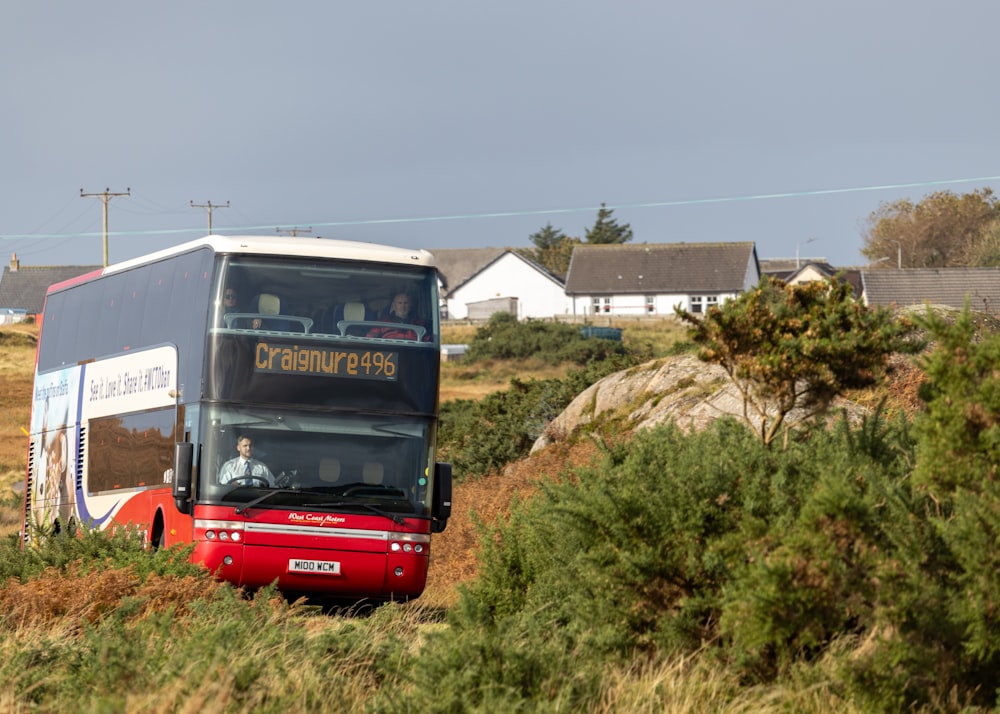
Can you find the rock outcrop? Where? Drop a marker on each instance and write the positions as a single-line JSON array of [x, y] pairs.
[[683, 389]]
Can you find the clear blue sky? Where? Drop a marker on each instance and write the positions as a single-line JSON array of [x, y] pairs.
[[450, 123]]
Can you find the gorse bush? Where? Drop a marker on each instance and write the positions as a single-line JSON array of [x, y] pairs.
[[482, 436], [91, 549], [478, 437], [506, 337], [824, 554]]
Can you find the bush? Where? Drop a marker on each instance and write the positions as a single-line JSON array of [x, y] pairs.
[[479, 437], [505, 337], [91, 549], [819, 555]]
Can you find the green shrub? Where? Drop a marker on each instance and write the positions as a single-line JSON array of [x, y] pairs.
[[93, 550], [821, 553], [506, 337], [478, 437]]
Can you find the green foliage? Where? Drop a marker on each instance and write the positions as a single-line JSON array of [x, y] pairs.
[[606, 229], [95, 550], [960, 444], [957, 468], [553, 249], [478, 437], [505, 337], [782, 559], [789, 347]]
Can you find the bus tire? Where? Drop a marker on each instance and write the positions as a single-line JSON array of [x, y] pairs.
[[158, 535]]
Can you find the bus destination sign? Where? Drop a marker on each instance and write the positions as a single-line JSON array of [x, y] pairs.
[[352, 364]]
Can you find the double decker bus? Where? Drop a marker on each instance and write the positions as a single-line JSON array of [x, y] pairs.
[[150, 377]]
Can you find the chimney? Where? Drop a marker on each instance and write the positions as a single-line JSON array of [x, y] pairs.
[[14, 262]]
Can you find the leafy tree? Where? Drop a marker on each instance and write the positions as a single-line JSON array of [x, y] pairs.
[[942, 230], [789, 347], [553, 249], [606, 229]]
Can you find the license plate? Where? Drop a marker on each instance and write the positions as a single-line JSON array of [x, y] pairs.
[[320, 567]]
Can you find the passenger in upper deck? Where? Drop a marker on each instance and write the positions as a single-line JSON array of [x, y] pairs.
[[230, 301], [399, 310]]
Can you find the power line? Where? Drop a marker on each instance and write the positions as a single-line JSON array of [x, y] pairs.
[[105, 197], [210, 206], [552, 211]]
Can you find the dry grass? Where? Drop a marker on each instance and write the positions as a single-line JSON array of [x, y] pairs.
[[454, 553], [17, 364], [476, 380], [58, 598]]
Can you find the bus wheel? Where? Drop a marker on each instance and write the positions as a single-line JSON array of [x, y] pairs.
[[158, 536]]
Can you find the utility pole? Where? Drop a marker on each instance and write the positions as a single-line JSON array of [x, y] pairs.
[[293, 231], [209, 205], [105, 197]]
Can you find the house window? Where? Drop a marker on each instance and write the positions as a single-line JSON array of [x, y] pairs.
[[597, 304], [696, 303], [650, 303], [711, 301], [607, 304]]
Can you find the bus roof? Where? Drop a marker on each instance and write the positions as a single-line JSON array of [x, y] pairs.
[[282, 245]]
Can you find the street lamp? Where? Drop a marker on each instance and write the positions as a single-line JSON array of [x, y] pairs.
[[797, 246], [899, 254]]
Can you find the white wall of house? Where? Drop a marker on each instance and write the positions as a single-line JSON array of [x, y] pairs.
[[808, 274], [650, 305], [538, 295]]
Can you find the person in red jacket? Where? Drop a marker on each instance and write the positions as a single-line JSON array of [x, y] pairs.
[[399, 311]]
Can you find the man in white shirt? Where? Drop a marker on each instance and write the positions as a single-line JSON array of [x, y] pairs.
[[245, 467]]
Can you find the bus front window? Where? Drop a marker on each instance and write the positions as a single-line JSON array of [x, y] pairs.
[[316, 460]]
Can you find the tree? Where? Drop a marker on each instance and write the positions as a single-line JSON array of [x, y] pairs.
[[789, 347], [943, 230], [553, 249], [606, 229]]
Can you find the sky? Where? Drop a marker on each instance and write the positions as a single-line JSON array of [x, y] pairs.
[[449, 123]]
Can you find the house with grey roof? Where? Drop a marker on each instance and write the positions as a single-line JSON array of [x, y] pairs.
[[812, 271], [933, 286], [22, 288], [653, 278], [476, 282]]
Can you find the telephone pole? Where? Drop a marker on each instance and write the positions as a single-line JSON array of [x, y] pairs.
[[105, 197], [209, 205], [293, 231]]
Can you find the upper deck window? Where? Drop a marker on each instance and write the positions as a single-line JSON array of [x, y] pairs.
[[325, 297]]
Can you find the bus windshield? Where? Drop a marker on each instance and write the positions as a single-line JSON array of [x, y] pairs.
[[315, 460], [326, 298]]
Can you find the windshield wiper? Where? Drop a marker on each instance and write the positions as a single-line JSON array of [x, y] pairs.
[[394, 517], [259, 499]]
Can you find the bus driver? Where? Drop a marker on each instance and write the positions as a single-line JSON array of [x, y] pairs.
[[245, 468]]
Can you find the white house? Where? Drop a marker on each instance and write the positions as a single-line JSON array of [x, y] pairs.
[[653, 278], [500, 280]]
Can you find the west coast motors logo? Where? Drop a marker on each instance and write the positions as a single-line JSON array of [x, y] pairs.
[[316, 519]]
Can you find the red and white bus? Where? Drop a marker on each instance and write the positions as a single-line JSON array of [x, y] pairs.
[[147, 376]]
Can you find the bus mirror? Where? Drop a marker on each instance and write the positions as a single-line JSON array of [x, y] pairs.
[[183, 461], [441, 507]]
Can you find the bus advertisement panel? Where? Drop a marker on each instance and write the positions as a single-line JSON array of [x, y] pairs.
[[115, 404]]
